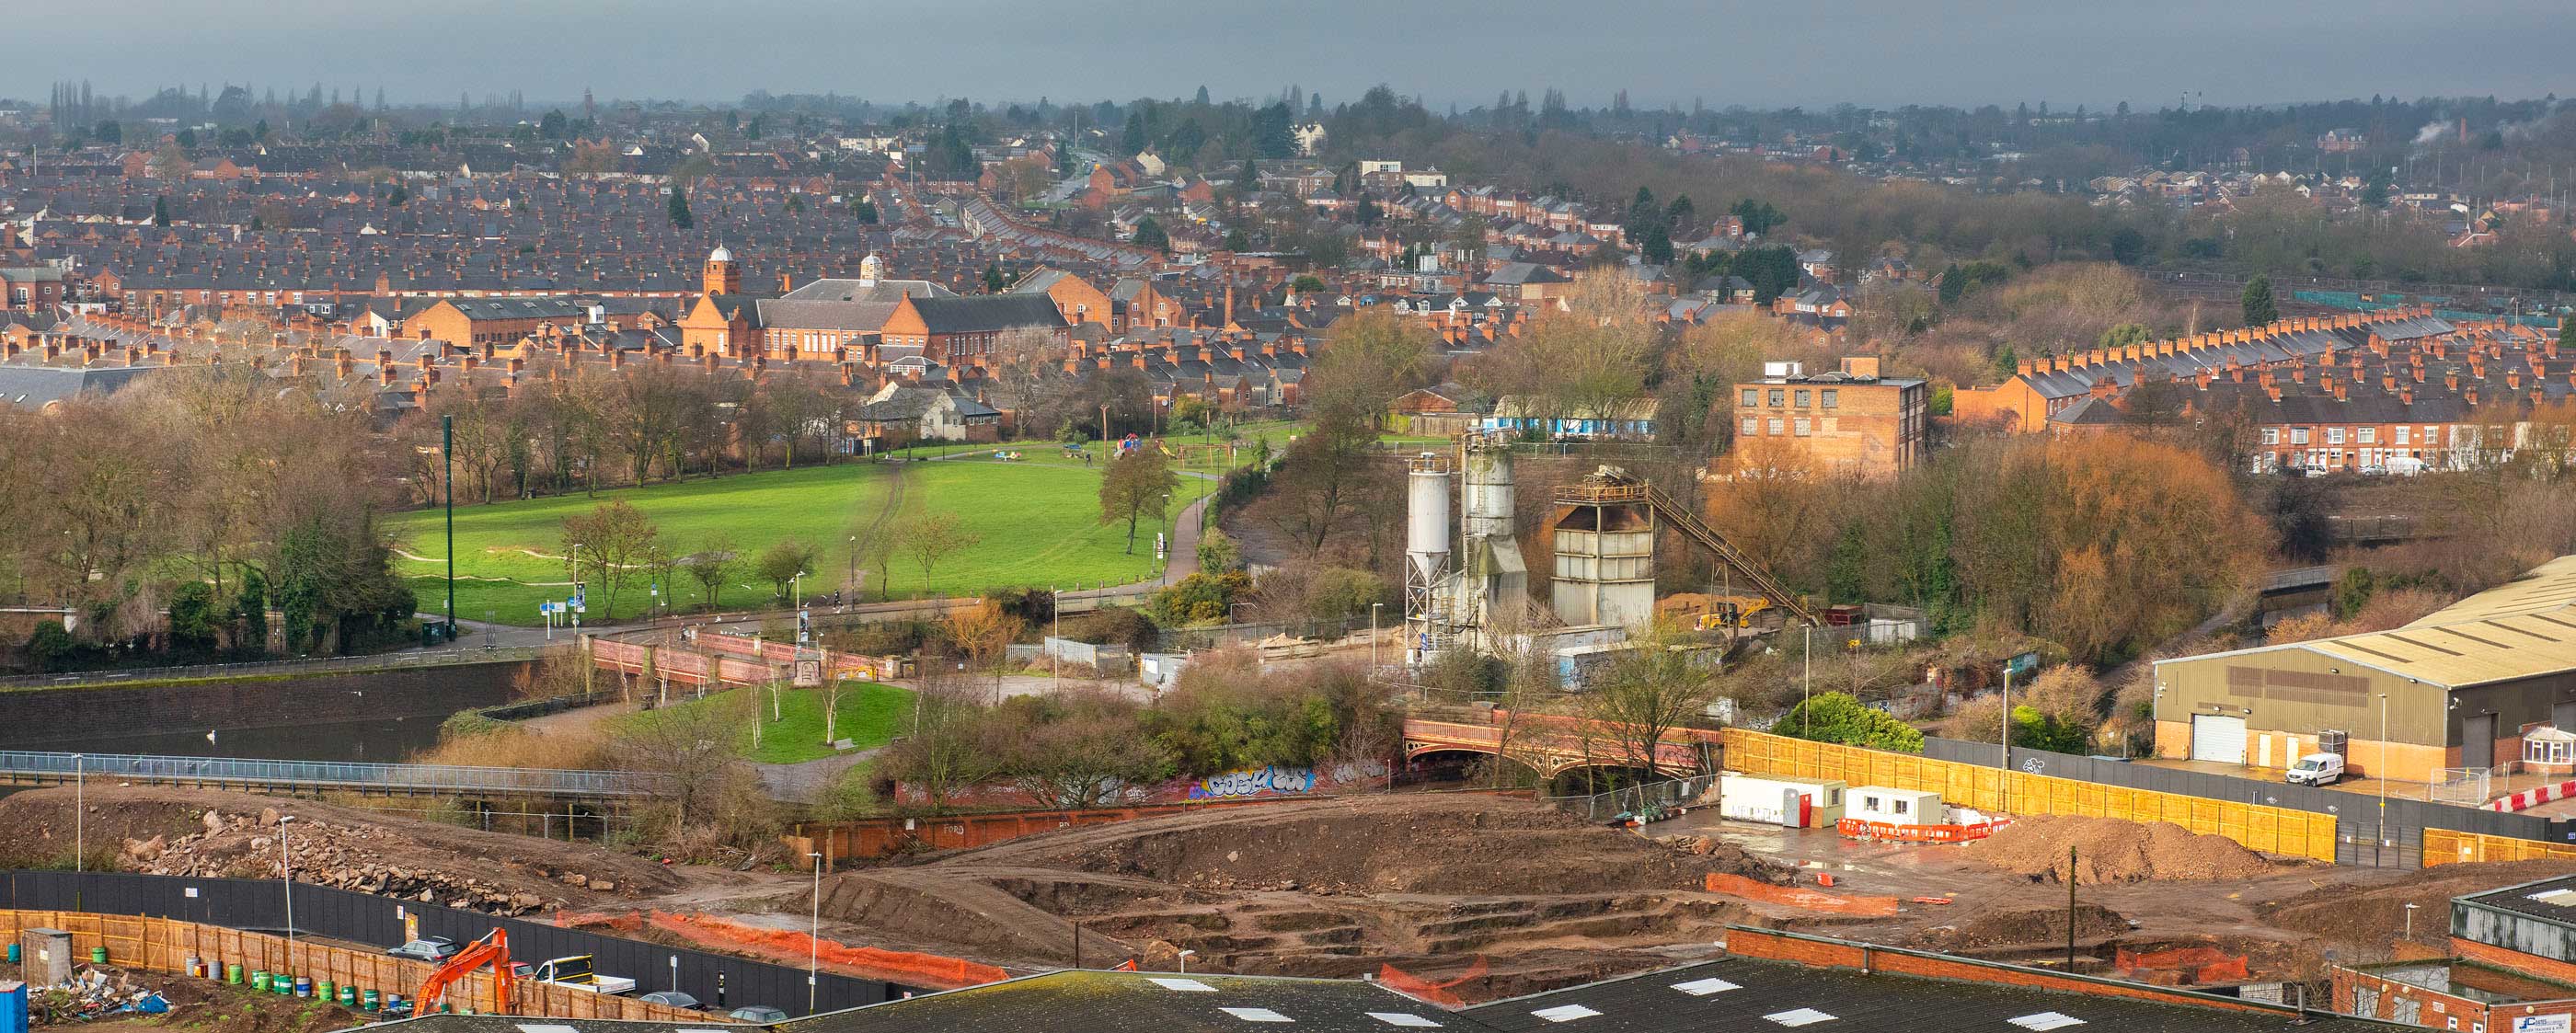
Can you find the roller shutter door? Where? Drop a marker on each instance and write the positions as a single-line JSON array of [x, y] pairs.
[[2218, 738]]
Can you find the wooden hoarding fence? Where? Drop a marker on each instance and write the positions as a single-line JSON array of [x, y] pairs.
[[2276, 830], [167, 945]]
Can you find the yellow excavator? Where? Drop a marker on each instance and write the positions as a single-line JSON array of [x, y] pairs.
[[1731, 611]]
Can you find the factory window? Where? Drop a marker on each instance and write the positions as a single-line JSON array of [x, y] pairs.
[[1751, 427], [1775, 425], [1778, 397], [2368, 435], [1802, 398], [2365, 1001], [1752, 398], [1829, 397], [2405, 1009], [1803, 426]]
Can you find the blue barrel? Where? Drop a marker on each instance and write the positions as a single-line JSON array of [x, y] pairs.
[[13, 1002], [13, 954], [303, 986]]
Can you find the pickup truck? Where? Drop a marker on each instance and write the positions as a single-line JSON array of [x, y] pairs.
[[574, 972]]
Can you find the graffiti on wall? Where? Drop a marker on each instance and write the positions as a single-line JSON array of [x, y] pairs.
[[1254, 782]]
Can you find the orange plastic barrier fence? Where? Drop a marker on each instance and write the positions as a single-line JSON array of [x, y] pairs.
[[1864, 829], [1421, 989], [1792, 896], [930, 970]]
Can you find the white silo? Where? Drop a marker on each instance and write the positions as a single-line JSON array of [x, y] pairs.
[[1426, 546]]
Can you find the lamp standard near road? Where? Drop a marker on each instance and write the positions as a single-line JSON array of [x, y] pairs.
[[814, 937], [286, 881], [80, 815], [1373, 609]]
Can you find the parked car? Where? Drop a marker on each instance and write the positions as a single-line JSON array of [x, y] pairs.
[[673, 998], [427, 948], [759, 1013], [2316, 769]]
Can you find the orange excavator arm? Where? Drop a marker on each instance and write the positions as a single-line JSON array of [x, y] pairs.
[[493, 949]]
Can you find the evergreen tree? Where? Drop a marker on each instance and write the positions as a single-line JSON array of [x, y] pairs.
[[2567, 331], [398, 197], [680, 209], [160, 211], [1658, 246], [865, 210], [994, 281], [2259, 307], [2007, 362], [1149, 234]]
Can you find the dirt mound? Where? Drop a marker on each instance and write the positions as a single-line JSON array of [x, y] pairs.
[[218, 834], [2111, 850], [1330, 888], [2021, 927], [1446, 844], [2376, 915]]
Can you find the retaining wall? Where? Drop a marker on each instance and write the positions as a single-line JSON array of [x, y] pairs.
[[41, 718]]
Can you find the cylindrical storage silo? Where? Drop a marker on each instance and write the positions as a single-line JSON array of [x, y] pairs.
[[1427, 512], [1488, 493]]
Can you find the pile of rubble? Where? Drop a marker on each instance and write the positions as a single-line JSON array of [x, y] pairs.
[[91, 994], [347, 857]]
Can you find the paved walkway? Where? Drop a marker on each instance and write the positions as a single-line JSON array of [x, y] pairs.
[[809, 781]]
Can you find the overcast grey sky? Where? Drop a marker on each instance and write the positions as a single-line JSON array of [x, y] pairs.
[[1874, 52]]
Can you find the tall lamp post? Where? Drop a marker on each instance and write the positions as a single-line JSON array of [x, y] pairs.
[[2382, 776], [286, 881], [447, 455], [80, 815], [814, 937]]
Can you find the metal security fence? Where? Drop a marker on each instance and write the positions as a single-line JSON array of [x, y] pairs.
[[260, 905], [408, 778], [1634, 799]]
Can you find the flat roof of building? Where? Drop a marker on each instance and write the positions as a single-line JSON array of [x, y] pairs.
[[1748, 994], [2550, 900]]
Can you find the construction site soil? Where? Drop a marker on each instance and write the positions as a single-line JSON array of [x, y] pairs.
[[1429, 883], [2094, 851], [211, 833]]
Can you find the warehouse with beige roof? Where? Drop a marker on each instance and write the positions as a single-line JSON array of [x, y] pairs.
[[2488, 680]]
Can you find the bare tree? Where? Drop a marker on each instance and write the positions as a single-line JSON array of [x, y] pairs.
[[710, 566], [1646, 694], [613, 539], [933, 536]]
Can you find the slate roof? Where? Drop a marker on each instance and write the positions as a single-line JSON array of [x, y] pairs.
[[34, 387], [987, 312]]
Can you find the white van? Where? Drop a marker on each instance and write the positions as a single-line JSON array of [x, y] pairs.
[[2316, 769]]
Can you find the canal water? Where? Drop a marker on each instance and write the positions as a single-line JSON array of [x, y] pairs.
[[385, 739]]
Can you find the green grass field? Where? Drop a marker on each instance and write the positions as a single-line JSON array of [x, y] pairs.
[[869, 715], [1039, 524]]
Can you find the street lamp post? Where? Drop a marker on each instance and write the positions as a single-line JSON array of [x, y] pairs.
[[80, 815], [2410, 921], [2383, 775], [1171, 537], [1185, 961], [814, 937], [286, 881]]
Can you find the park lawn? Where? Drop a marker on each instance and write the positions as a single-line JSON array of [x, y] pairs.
[[869, 715], [1038, 524]]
